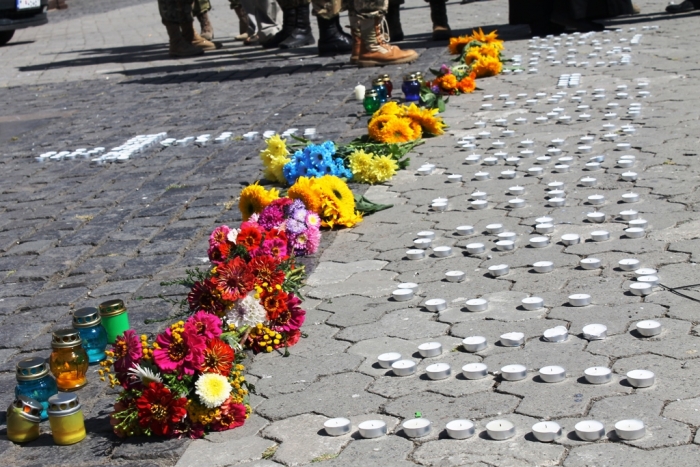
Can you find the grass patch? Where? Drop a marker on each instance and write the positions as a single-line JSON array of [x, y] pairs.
[[269, 452], [324, 457]]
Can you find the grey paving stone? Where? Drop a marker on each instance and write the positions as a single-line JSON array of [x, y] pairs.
[[686, 411], [391, 450], [332, 273], [674, 378], [583, 455], [232, 452]]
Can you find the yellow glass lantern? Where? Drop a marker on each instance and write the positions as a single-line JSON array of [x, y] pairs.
[[23, 417], [68, 361], [66, 419]]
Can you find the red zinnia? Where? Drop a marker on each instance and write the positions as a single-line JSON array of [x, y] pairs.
[[265, 270], [219, 253], [274, 302], [127, 351], [203, 297], [292, 337], [232, 416], [292, 318], [218, 358], [159, 409], [234, 280], [249, 236]]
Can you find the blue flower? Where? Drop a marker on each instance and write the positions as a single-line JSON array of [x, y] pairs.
[[330, 147]]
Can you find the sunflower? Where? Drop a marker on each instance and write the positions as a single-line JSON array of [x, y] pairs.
[[383, 168], [487, 66], [457, 44], [391, 108], [399, 130], [486, 38], [255, 198], [427, 119], [305, 190], [375, 128], [339, 203]]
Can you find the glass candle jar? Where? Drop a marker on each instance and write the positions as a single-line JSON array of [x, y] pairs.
[[68, 361], [378, 85], [23, 417], [35, 381], [411, 88], [387, 82], [371, 102], [66, 419], [115, 319], [89, 324]]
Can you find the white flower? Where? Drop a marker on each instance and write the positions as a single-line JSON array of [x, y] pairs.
[[212, 389], [232, 235], [145, 374], [247, 312]]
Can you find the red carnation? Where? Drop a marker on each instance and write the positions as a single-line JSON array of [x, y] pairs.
[[250, 236]]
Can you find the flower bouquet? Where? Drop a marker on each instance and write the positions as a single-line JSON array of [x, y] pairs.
[[450, 81], [399, 123], [186, 383], [480, 52]]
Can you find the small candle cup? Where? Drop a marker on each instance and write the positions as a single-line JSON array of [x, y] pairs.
[[476, 248], [337, 426], [516, 203], [544, 228], [641, 378], [465, 230], [651, 280], [507, 236], [516, 190], [628, 176], [402, 295], [422, 243], [508, 174], [494, 229], [472, 159], [630, 197], [430, 349], [436, 304], [498, 270], [442, 251], [438, 371], [415, 254], [403, 367], [593, 332], [474, 371], [641, 223], [552, 374], [424, 170], [546, 432], [628, 264], [385, 360], [596, 200], [532, 303], [439, 207], [460, 429], [479, 204], [416, 427], [512, 339], [500, 430], [590, 263], [589, 430], [542, 267], [597, 375], [480, 195], [570, 239], [600, 235], [635, 232], [426, 234], [639, 272], [561, 168], [481, 176], [640, 288], [629, 430], [505, 245], [648, 328], [477, 304], [455, 276], [454, 178], [539, 242], [556, 202], [372, 429], [544, 220], [556, 334], [579, 299], [597, 217]]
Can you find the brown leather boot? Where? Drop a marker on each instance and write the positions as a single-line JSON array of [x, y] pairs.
[[356, 39], [179, 47], [375, 49], [207, 29], [195, 39], [243, 23]]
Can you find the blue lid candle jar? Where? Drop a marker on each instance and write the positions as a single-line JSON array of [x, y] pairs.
[[35, 381], [371, 102], [411, 88], [379, 86], [89, 324]]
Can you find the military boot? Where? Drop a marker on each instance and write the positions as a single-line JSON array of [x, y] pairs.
[[179, 47], [375, 49], [289, 17], [243, 23], [332, 40], [301, 34], [195, 39], [207, 29], [438, 15]]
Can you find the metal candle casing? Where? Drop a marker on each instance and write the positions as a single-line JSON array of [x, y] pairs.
[[94, 336], [115, 319], [68, 361], [23, 417], [35, 382], [66, 419]]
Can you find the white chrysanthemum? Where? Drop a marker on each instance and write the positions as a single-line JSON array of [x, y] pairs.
[[247, 312], [212, 389], [145, 374], [232, 235]]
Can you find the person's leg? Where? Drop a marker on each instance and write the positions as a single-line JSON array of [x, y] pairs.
[[201, 12], [171, 16], [243, 25], [367, 20], [332, 40], [438, 15], [301, 34], [249, 6], [393, 20], [267, 15]]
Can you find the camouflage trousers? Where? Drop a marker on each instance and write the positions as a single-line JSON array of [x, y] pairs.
[[331, 8], [182, 11]]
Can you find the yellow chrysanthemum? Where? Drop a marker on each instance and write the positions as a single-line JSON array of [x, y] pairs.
[[274, 169], [213, 389], [383, 168], [427, 119], [305, 189], [360, 164], [391, 108], [277, 146], [201, 414], [254, 198]]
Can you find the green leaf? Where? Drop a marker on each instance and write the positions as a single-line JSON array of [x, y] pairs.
[[367, 207]]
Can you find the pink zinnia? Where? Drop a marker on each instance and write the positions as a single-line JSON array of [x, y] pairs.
[[204, 324], [275, 247], [184, 355], [313, 239], [127, 351], [219, 235], [291, 319]]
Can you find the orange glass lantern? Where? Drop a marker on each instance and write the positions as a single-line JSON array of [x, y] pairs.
[[68, 361]]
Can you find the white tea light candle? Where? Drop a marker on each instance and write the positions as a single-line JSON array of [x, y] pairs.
[[597, 375], [649, 328], [532, 303], [455, 276], [589, 430], [579, 299], [436, 304], [552, 374], [416, 427], [494, 229], [475, 248], [640, 378], [474, 344], [477, 304], [337, 426], [590, 263], [372, 429], [543, 266], [430, 349], [500, 430], [402, 295], [386, 359], [465, 230], [475, 371], [442, 251], [546, 432], [556, 334], [512, 339], [593, 332], [498, 270], [630, 429], [415, 254], [570, 239], [460, 429], [438, 371], [403, 367]]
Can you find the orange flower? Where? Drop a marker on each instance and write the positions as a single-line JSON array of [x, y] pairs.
[[447, 83], [467, 84]]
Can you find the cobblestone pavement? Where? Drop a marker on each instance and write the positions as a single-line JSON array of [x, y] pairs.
[[73, 235]]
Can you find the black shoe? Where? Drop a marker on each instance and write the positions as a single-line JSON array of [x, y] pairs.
[[580, 25], [332, 40], [301, 35], [684, 7], [393, 19], [288, 23], [545, 28], [438, 15]]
